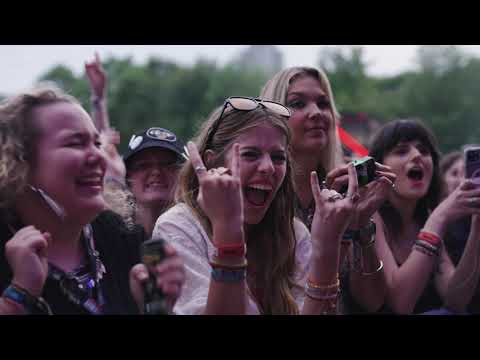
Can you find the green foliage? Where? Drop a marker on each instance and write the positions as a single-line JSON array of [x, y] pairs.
[[161, 93], [442, 91]]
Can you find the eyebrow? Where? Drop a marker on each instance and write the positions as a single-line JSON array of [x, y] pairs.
[[297, 93], [257, 149]]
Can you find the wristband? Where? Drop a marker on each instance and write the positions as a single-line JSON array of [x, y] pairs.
[[429, 237], [230, 250], [229, 276], [32, 304]]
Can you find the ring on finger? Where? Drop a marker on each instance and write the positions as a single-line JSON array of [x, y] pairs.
[[200, 168]]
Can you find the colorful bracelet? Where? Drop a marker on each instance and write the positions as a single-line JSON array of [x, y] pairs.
[[230, 250], [314, 285], [431, 238], [428, 246], [32, 304], [424, 251], [229, 276]]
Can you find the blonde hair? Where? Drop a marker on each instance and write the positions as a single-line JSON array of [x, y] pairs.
[[274, 239], [18, 136], [276, 89]]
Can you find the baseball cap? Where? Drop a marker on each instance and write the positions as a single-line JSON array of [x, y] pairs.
[[155, 137]]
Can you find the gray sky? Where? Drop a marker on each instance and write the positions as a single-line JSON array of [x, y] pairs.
[[20, 65]]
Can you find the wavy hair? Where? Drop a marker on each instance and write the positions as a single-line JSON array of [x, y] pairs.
[[18, 136], [273, 239]]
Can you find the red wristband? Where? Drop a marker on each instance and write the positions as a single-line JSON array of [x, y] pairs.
[[230, 250], [429, 237]]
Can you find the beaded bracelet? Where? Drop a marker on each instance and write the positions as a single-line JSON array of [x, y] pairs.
[[228, 275], [427, 246], [424, 251]]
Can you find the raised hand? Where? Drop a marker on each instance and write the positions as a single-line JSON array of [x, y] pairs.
[[372, 195], [462, 202], [333, 212], [170, 276], [26, 253], [96, 76], [220, 192], [110, 138]]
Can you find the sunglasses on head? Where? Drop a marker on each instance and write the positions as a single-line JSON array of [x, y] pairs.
[[241, 103]]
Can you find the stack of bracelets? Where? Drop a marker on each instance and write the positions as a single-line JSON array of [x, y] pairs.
[[326, 293], [229, 263], [428, 243], [360, 247]]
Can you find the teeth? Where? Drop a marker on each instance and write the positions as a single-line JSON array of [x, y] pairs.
[[261, 187]]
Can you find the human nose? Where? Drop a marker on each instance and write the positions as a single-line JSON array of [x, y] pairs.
[[266, 165], [96, 154], [314, 111]]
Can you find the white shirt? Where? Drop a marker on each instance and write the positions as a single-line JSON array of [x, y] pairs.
[[180, 228]]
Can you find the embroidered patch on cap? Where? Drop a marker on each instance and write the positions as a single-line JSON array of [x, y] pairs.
[[161, 134], [135, 142]]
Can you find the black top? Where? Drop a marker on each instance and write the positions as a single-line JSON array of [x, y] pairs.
[[119, 252]]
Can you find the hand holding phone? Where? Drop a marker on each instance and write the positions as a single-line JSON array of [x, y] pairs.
[[152, 252]]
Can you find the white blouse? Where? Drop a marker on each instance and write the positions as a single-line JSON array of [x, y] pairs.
[[180, 228]]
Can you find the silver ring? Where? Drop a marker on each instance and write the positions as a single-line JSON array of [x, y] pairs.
[[335, 197], [200, 168]]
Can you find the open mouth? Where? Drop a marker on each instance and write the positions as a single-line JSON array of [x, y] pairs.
[[415, 174], [91, 181], [257, 195]]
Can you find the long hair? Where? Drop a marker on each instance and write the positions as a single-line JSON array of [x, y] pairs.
[[276, 89], [273, 239], [18, 136], [383, 142]]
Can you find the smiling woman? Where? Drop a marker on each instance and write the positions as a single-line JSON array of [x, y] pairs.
[[59, 252], [236, 193]]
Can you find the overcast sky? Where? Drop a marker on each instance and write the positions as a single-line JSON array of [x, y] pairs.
[[20, 65]]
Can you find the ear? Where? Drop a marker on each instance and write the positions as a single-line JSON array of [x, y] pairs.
[[209, 158]]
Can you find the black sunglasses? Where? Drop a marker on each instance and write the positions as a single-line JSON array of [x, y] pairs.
[[241, 103]]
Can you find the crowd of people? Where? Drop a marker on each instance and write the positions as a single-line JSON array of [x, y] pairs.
[[260, 213]]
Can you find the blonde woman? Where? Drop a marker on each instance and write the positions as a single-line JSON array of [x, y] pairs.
[[315, 147], [234, 221]]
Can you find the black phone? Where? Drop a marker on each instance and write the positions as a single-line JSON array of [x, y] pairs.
[[152, 252], [472, 164], [366, 169]]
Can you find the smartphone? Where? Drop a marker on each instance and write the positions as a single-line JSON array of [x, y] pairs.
[[152, 252], [366, 169], [472, 164]]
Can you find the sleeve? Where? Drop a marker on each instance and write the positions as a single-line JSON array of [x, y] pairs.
[[303, 254], [189, 239]]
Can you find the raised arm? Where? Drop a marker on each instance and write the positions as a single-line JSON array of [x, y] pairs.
[[220, 197], [407, 282], [97, 79], [333, 213], [464, 282]]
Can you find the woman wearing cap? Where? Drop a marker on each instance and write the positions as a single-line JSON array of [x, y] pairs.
[[315, 147], [153, 160], [60, 252], [234, 220]]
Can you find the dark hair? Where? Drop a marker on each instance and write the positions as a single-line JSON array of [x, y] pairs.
[[384, 141]]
